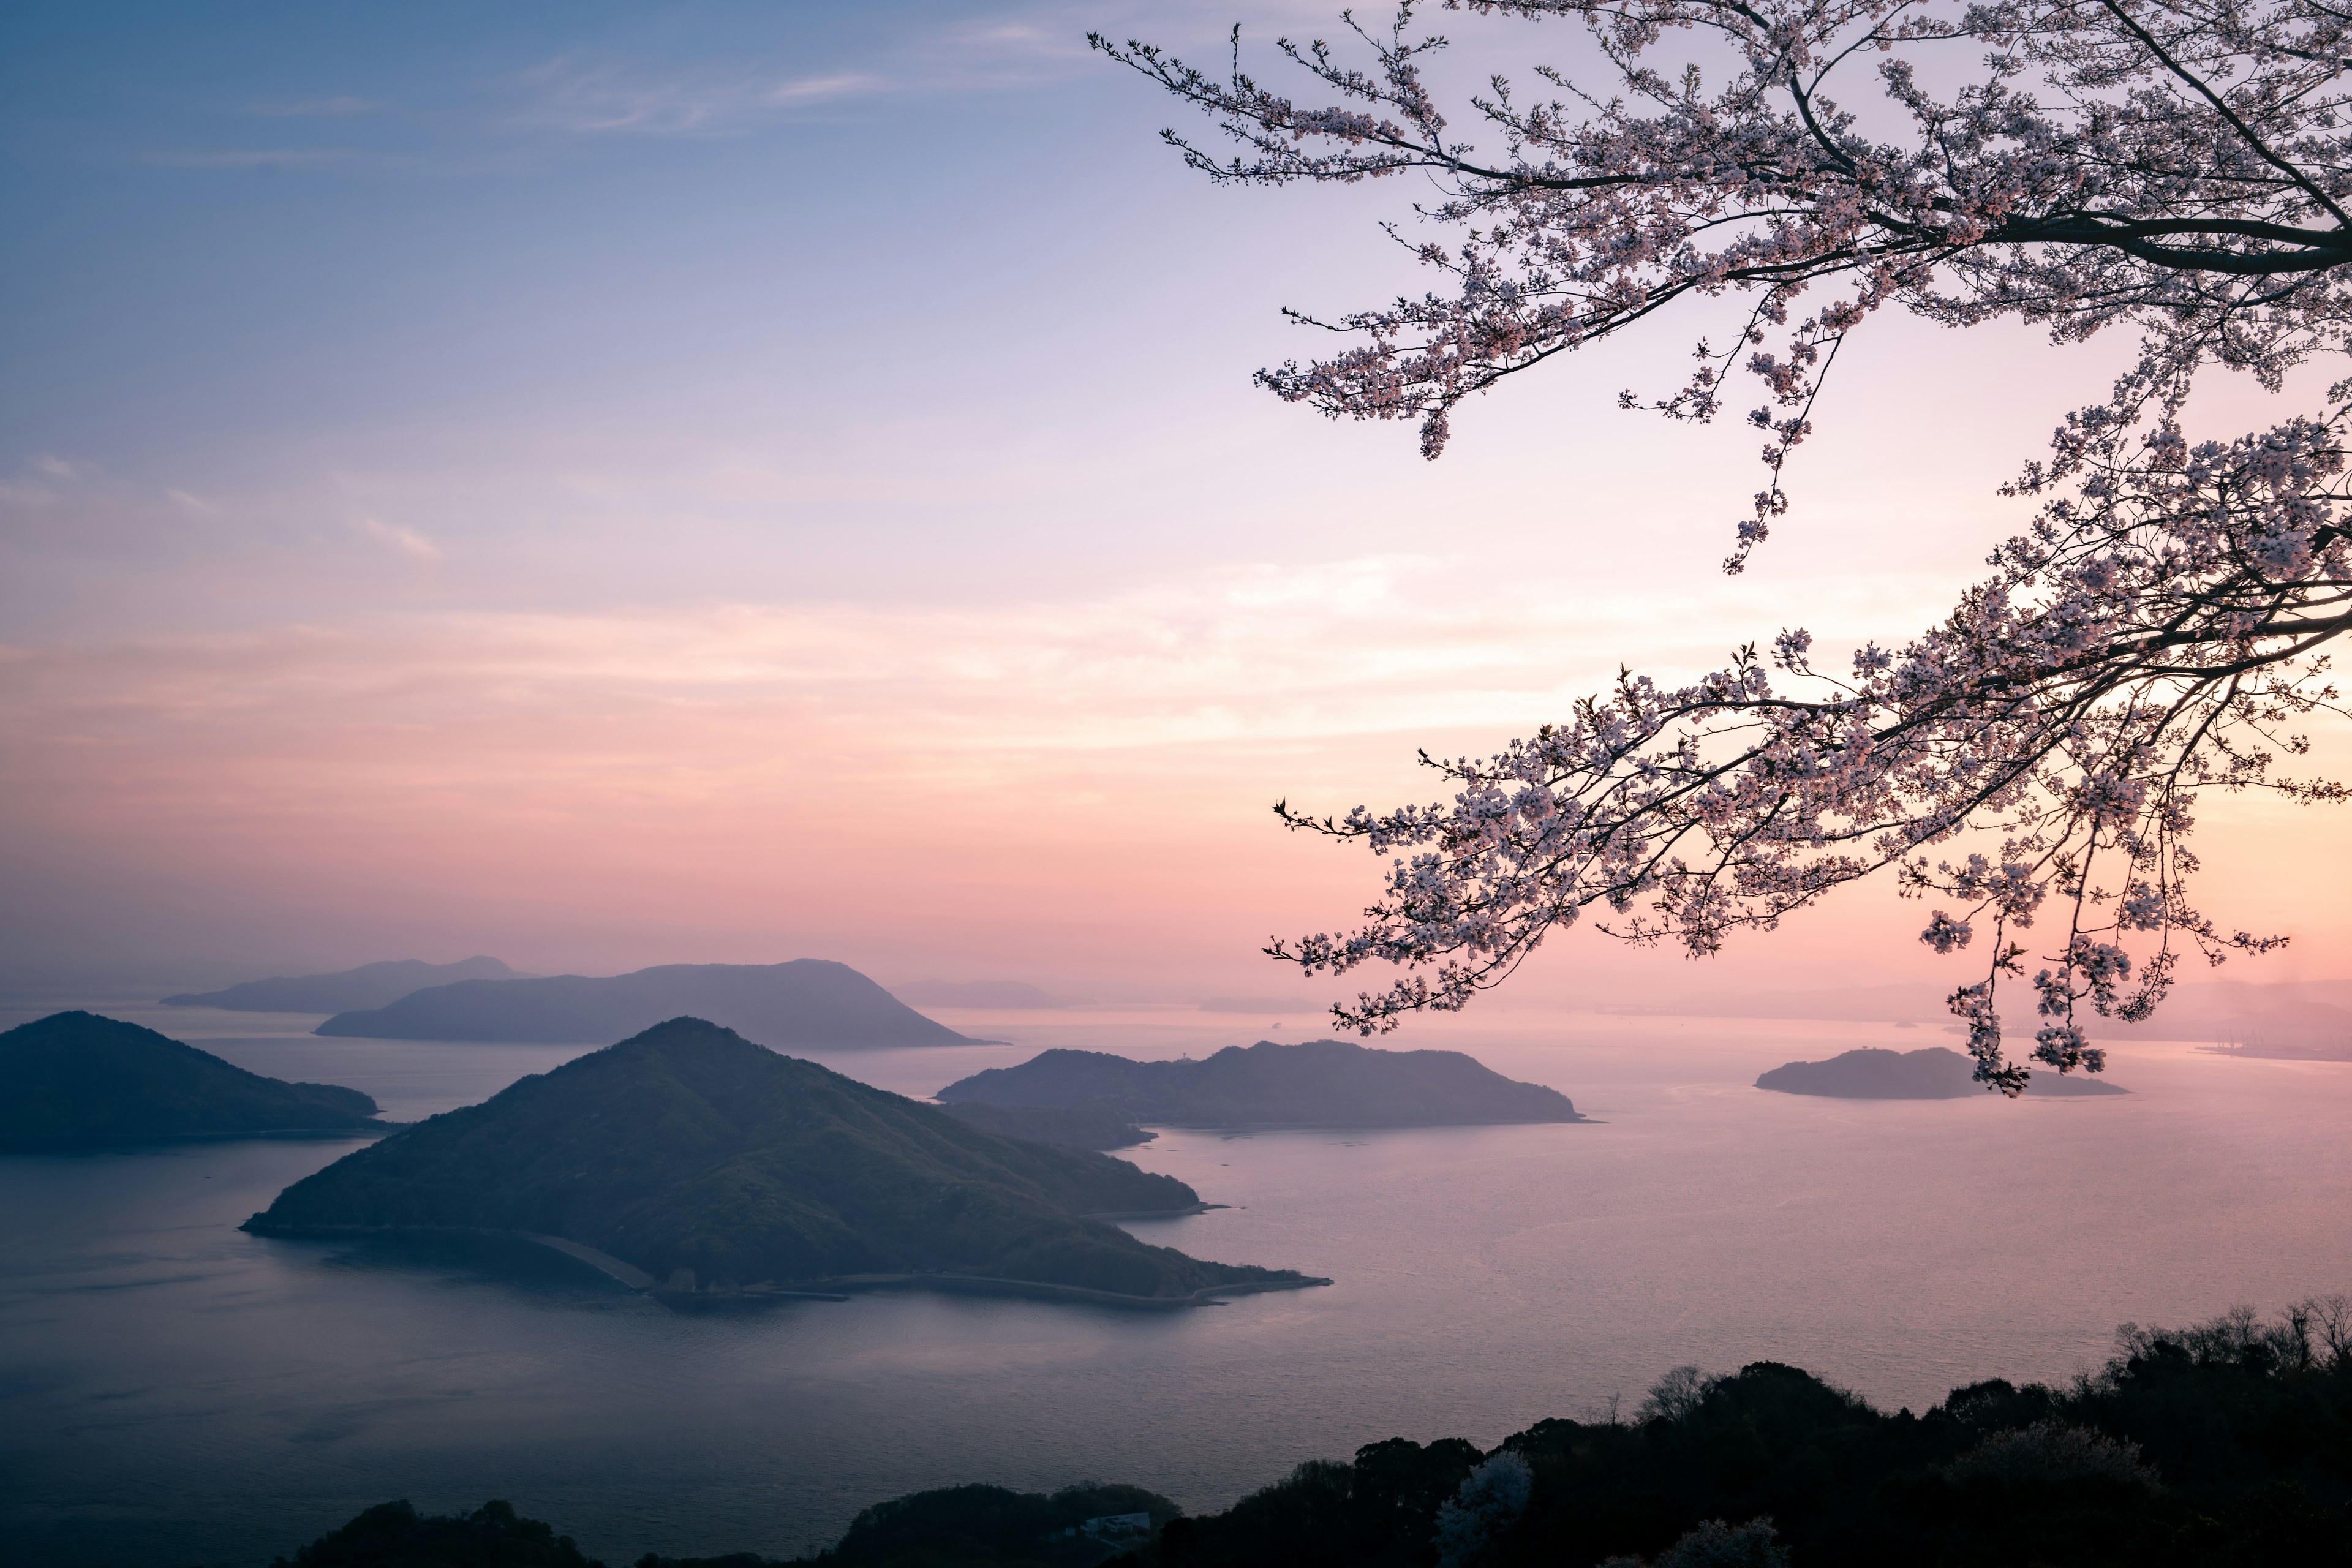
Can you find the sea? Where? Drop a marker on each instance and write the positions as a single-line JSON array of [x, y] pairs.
[[174, 1392]]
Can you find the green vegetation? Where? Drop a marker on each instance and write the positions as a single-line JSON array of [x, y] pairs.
[[74, 1079], [1080, 1126], [2224, 1445], [1937, 1072], [808, 1002], [369, 985], [1321, 1083], [689, 1148]]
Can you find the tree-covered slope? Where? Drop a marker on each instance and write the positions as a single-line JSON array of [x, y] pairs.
[[1321, 1083], [75, 1079], [689, 1147], [369, 985], [807, 1002], [1936, 1072]]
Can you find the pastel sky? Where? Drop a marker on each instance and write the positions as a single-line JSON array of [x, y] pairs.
[[612, 484]]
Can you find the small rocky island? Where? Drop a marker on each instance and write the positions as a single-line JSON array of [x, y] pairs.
[[1936, 1072], [708, 1162], [1321, 1083], [369, 985], [76, 1079], [809, 1002]]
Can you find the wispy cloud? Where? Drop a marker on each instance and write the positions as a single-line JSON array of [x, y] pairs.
[[405, 539], [568, 95]]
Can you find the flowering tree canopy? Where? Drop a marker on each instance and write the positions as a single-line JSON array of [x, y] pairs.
[[2176, 167]]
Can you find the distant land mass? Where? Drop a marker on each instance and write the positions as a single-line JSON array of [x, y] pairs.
[[2286, 1051], [1319, 1083], [75, 1080], [1936, 1072], [1010, 994], [369, 985], [807, 1002], [1080, 1126], [700, 1158]]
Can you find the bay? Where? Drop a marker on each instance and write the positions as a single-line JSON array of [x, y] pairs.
[[174, 1392]]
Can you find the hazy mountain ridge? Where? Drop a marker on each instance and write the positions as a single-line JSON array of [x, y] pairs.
[[1318, 1083], [689, 1147], [369, 985], [74, 1079], [804, 1002]]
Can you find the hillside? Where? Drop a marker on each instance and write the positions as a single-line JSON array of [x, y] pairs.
[[687, 1147], [1321, 1083], [369, 985], [1937, 1072], [74, 1079], [808, 1002]]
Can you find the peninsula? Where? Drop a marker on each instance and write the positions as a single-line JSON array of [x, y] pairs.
[[809, 1002], [1321, 1083], [703, 1160], [76, 1079], [369, 985], [1936, 1072]]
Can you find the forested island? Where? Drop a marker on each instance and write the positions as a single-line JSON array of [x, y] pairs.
[[77, 1080], [1935, 1072], [369, 985], [1319, 1083], [808, 1002], [2224, 1445], [709, 1162]]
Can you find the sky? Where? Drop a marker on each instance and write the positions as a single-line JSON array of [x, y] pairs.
[[607, 485]]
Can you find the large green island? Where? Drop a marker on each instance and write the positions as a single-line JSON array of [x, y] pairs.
[[76, 1079], [1319, 1083], [690, 1155]]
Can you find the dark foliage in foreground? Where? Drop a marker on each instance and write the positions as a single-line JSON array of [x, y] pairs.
[[2224, 1445], [2227, 1443], [394, 1535]]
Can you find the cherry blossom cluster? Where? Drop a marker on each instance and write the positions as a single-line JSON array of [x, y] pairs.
[[2178, 166], [2154, 632], [2175, 167]]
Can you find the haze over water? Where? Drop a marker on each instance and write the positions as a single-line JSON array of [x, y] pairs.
[[173, 1391]]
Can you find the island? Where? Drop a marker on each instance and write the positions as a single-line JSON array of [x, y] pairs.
[[1081, 1126], [1936, 1072], [690, 1156], [1318, 1083], [73, 1080], [369, 985], [809, 1002]]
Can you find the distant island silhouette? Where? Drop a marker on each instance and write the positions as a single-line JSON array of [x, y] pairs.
[[1318, 1083], [710, 1163], [806, 1002], [1935, 1072], [77, 1079], [369, 985], [1012, 994], [1081, 1126]]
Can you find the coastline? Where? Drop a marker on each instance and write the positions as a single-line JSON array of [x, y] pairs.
[[840, 1289]]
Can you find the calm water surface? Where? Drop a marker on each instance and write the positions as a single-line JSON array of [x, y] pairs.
[[174, 1392]]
